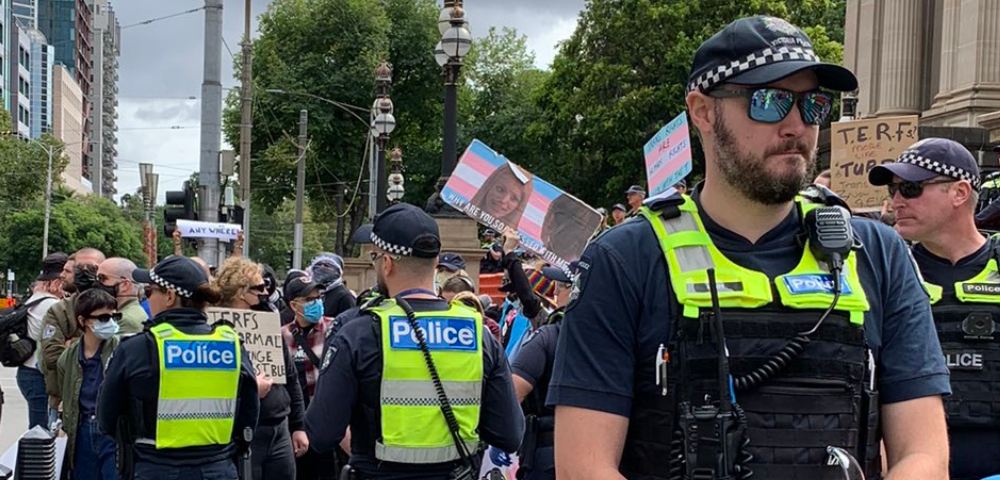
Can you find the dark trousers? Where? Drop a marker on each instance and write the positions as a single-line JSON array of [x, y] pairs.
[[31, 383], [320, 466], [271, 453], [94, 454], [221, 470]]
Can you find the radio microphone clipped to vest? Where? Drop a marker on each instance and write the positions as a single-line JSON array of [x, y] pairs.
[[830, 240]]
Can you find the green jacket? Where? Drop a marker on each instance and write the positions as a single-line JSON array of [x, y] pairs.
[[58, 326], [132, 317], [70, 375]]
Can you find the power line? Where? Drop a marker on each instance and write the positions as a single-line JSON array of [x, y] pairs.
[[165, 17]]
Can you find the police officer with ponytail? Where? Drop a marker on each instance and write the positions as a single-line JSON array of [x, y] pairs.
[[747, 328], [933, 187], [419, 381], [177, 396]]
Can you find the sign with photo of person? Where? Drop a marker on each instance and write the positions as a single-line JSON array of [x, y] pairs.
[[500, 194]]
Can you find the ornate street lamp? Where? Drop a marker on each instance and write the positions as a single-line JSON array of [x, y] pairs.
[[383, 123], [396, 191]]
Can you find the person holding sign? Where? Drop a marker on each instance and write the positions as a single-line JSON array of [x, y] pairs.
[[279, 438], [933, 188], [505, 194], [417, 379], [743, 329], [180, 396]]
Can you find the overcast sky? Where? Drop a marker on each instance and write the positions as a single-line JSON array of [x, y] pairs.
[[160, 72]]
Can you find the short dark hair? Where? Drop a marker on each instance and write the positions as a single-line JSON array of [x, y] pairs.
[[458, 284], [90, 301]]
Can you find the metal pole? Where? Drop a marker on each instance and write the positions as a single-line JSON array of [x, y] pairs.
[[372, 176], [48, 206], [211, 126], [380, 184], [246, 130], [449, 153], [300, 188]]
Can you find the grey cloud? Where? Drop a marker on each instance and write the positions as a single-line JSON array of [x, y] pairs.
[[187, 111]]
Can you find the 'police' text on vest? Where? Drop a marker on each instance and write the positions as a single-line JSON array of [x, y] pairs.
[[439, 333], [199, 355]]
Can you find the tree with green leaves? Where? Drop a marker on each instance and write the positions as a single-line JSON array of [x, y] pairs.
[[622, 75]]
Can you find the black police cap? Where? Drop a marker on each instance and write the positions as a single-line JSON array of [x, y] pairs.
[[177, 273], [405, 230]]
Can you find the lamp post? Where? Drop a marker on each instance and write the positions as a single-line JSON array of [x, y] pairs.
[[456, 42], [149, 182], [395, 191], [383, 123]]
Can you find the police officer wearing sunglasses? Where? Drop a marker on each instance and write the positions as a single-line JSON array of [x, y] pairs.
[[933, 188], [387, 369], [799, 349]]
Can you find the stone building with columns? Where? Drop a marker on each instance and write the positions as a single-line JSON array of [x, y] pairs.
[[939, 59]]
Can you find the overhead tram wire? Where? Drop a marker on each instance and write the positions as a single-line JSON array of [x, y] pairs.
[[165, 17]]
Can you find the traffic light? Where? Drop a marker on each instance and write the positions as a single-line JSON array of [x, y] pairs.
[[179, 206]]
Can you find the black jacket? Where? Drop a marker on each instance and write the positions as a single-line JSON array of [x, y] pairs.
[[132, 384], [337, 300], [284, 401]]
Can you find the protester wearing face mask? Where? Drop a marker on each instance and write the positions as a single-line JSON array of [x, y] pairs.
[[59, 325], [114, 276], [46, 292], [327, 269], [89, 454], [279, 437], [305, 337]]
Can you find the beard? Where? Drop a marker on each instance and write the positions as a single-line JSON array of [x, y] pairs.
[[748, 173]]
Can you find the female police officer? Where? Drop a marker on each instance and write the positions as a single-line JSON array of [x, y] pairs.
[[176, 394], [376, 373]]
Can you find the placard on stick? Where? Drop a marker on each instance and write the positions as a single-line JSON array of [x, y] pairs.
[[261, 336], [668, 155], [858, 146]]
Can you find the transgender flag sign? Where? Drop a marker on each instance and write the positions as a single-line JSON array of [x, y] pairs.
[[668, 155], [499, 194]]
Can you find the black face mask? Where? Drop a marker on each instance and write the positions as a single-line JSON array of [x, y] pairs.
[[112, 290], [84, 277], [263, 304]]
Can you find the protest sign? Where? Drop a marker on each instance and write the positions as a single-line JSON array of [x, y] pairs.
[[668, 155], [221, 231], [499, 194], [856, 147], [261, 336]]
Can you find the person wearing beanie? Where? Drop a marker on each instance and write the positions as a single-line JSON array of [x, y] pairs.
[[327, 269]]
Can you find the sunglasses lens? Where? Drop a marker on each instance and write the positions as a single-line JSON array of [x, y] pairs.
[[909, 190], [769, 105], [816, 107]]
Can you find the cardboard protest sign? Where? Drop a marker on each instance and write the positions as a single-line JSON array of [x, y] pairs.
[[221, 231], [668, 155], [857, 147], [261, 336], [499, 194]]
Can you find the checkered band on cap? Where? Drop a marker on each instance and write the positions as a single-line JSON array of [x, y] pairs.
[[952, 171], [388, 247], [767, 56], [165, 284]]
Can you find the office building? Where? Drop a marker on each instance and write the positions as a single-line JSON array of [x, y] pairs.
[[42, 59], [103, 97], [67, 122]]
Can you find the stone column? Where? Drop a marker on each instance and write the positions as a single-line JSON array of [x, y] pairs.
[[862, 44], [948, 47], [901, 73]]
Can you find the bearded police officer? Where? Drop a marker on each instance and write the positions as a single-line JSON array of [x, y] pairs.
[[744, 329], [933, 188], [419, 382], [178, 394]]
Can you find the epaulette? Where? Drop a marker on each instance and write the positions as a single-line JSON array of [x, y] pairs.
[[821, 195], [372, 303]]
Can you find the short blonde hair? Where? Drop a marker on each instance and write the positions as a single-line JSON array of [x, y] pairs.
[[235, 275]]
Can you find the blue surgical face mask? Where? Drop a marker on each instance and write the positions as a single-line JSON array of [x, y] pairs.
[[105, 330], [313, 311]]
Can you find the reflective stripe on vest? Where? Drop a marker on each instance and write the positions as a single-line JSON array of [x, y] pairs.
[[690, 252], [414, 429], [982, 288], [199, 378]]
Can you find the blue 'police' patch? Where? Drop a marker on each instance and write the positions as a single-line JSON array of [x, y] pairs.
[[815, 283], [439, 333], [199, 355]]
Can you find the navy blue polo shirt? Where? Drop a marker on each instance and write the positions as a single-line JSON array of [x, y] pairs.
[[609, 339], [93, 375], [352, 364], [973, 451]]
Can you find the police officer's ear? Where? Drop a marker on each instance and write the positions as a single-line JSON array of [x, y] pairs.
[[701, 111]]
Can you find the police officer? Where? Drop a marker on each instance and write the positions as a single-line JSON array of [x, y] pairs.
[[650, 382], [532, 369], [634, 195], [178, 394], [933, 191], [376, 377]]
